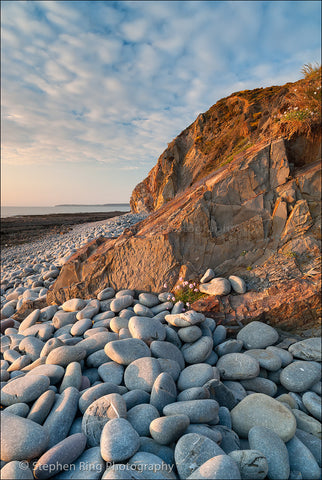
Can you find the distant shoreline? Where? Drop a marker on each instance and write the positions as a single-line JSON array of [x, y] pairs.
[[90, 204], [17, 230]]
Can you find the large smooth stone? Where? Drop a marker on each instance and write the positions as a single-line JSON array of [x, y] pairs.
[[220, 467], [299, 376], [266, 359], [207, 276], [14, 471], [91, 309], [307, 423], [119, 440], [142, 311], [195, 376], [64, 355], [193, 450], [313, 403], [167, 350], [199, 351], [111, 372], [237, 284], [59, 456], [21, 439], [285, 356], [216, 286], [94, 393], [73, 305], [269, 443], [142, 373], [198, 411], [20, 409], [106, 294], [302, 460], [61, 319], [189, 334], [80, 327], [127, 350], [140, 416], [153, 466], [230, 346], [194, 393], [62, 415], [89, 465], [96, 359], [237, 366], [120, 303], [146, 329], [252, 464], [313, 443], [42, 407], [257, 335], [185, 319], [148, 299], [166, 430], [72, 377], [309, 349], [258, 409], [97, 341], [31, 346], [163, 392], [171, 367], [99, 413], [135, 397], [149, 445], [54, 372], [24, 389], [260, 385]]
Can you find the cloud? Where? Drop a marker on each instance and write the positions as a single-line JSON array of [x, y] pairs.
[[111, 83]]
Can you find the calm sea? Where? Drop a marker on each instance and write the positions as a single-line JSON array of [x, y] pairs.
[[18, 211]]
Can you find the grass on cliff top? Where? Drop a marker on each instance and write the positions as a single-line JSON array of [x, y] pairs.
[[302, 116]]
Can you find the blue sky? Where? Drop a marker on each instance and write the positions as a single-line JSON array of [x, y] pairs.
[[92, 92]]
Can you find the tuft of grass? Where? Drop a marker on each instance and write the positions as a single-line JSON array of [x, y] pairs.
[[309, 70], [187, 292], [303, 115]]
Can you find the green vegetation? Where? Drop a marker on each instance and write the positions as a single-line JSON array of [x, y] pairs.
[[243, 145], [303, 114], [187, 292]]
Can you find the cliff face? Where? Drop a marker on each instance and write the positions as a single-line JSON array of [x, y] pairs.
[[230, 127], [254, 213]]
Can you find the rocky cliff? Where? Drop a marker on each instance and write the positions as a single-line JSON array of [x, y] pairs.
[[230, 127], [253, 211]]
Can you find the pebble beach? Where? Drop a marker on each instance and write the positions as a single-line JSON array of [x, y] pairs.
[[133, 385]]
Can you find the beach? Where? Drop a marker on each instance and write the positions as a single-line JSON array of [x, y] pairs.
[[17, 230]]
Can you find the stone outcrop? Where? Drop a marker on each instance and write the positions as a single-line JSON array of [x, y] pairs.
[[254, 217], [239, 192]]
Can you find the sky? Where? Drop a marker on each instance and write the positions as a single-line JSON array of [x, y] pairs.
[[93, 91]]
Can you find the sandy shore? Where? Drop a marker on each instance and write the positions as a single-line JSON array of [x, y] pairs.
[[28, 228]]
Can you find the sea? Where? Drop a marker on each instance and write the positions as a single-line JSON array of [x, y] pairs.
[[19, 211]]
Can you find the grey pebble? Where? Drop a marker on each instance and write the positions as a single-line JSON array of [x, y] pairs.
[[140, 416]]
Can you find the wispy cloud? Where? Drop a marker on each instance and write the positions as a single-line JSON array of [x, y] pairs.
[[111, 83]]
